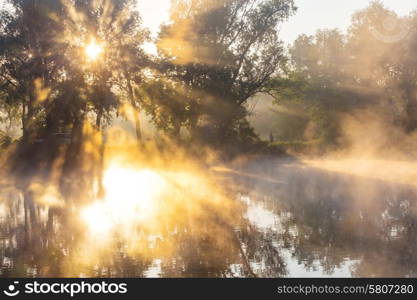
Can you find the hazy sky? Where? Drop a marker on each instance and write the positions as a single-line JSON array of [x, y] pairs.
[[154, 12], [316, 14], [311, 15]]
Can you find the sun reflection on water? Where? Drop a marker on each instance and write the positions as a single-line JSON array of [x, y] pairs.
[[131, 196]]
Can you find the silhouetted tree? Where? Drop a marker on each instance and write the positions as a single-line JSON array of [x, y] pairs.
[[215, 56]]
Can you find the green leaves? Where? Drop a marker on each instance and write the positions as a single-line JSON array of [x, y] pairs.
[[222, 53]]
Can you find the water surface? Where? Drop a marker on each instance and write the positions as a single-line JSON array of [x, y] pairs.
[[283, 218]]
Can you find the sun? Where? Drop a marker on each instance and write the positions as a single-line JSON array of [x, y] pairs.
[[93, 50]]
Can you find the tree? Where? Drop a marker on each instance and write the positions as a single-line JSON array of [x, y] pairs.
[[48, 76], [217, 55], [45, 67], [319, 80], [333, 74], [29, 59]]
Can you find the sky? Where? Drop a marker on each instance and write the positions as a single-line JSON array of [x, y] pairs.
[[311, 16], [154, 13], [319, 14]]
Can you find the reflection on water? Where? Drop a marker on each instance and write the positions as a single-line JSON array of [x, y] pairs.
[[293, 220], [334, 224]]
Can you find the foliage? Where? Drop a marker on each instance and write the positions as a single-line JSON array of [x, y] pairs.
[[45, 71], [332, 74], [219, 54]]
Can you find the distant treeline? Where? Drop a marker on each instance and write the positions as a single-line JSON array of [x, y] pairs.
[[370, 72]]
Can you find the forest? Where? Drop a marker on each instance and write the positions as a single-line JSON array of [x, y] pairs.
[[149, 148]]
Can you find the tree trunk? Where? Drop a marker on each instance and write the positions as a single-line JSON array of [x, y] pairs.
[[98, 119], [136, 112], [27, 120], [100, 167], [138, 127]]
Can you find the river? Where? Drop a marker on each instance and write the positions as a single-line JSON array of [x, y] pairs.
[[282, 218]]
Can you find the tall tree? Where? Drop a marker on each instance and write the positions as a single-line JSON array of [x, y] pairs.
[[65, 64], [217, 55]]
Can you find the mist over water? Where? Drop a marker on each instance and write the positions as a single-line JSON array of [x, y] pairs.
[[279, 217], [335, 223]]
